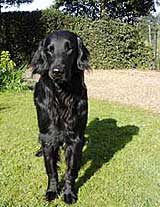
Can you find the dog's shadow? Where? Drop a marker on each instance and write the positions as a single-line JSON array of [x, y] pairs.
[[104, 139]]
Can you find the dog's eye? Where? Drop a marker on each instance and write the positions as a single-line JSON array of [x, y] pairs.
[[51, 49], [68, 47]]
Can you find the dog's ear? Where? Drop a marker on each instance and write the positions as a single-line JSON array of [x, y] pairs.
[[83, 56], [39, 61]]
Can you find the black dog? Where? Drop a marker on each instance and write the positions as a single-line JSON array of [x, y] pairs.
[[61, 102]]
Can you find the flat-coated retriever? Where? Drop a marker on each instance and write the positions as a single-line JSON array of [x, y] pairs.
[[61, 101]]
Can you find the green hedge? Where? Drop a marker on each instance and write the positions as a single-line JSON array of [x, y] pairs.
[[20, 33], [112, 44]]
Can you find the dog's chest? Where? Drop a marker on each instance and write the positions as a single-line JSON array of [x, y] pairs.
[[63, 110]]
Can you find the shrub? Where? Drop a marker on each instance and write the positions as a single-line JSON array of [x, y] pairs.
[[10, 77]]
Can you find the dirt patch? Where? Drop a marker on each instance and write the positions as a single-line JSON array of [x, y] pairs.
[[130, 87]]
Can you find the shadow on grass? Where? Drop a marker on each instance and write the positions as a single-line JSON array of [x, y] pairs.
[[3, 108], [105, 138]]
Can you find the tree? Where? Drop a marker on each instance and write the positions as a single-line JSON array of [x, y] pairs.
[[88, 8], [125, 10], [14, 2], [129, 10]]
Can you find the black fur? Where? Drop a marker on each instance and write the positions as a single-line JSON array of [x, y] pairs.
[[61, 102]]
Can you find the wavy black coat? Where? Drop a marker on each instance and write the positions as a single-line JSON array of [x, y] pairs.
[[61, 101]]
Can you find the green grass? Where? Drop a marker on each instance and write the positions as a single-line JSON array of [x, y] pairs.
[[120, 165]]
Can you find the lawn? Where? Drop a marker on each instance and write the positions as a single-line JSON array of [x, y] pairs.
[[120, 165]]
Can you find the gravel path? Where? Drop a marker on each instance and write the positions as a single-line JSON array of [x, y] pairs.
[[127, 87], [131, 87]]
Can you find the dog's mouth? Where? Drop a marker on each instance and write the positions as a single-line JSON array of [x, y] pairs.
[[56, 74]]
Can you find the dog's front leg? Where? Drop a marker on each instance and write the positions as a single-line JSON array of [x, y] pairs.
[[73, 158], [50, 158]]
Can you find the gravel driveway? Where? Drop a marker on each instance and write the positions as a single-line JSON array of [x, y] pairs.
[[130, 87]]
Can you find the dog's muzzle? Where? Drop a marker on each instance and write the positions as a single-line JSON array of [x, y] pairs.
[[56, 74]]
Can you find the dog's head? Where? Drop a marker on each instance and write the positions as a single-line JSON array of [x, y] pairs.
[[60, 55]]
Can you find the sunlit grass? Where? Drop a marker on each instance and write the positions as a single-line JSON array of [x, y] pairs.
[[120, 165]]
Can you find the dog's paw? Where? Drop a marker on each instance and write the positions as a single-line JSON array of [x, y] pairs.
[[51, 195], [70, 198]]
